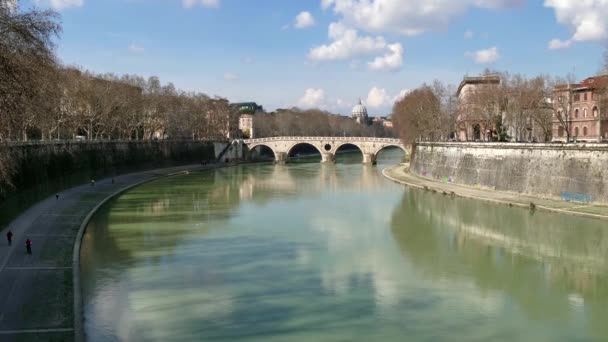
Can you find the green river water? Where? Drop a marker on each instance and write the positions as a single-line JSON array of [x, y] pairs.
[[311, 252]]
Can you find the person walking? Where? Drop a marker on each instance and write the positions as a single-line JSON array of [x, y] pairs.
[[9, 237], [28, 246]]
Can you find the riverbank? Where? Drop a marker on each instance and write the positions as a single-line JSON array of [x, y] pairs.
[[38, 170], [40, 293], [400, 174]]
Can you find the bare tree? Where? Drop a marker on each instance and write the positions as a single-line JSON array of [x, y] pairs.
[[419, 116], [26, 53]]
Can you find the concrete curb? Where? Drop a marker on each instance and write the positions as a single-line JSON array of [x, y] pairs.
[[491, 200]]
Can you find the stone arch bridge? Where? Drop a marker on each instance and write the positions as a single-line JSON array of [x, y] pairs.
[[327, 146]]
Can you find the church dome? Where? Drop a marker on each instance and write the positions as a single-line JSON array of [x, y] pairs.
[[359, 111]]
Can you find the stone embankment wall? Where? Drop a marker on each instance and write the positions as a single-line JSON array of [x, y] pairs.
[[38, 169], [577, 172]]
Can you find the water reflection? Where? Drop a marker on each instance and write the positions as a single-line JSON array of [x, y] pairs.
[[307, 252], [553, 267]]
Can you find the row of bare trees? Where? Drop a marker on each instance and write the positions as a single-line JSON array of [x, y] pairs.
[[41, 99], [131, 107], [313, 122], [516, 108]]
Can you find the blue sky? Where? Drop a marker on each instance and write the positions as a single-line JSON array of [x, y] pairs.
[[270, 52]]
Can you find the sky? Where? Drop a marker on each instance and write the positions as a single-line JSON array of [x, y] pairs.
[[328, 53]]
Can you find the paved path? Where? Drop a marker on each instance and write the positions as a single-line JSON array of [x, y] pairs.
[[401, 175], [36, 291]]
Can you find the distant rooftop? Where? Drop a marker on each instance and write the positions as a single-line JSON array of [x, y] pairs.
[[248, 107], [594, 82], [484, 79]]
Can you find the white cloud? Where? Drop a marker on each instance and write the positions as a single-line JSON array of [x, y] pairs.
[[486, 56], [468, 34], [587, 19], [391, 61], [136, 48], [556, 44], [204, 3], [346, 44], [62, 4], [230, 76], [401, 95], [304, 20], [377, 97], [407, 17], [313, 98], [380, 97]]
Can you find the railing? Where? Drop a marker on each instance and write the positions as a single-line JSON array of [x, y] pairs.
[[348, 139], [97, 141]]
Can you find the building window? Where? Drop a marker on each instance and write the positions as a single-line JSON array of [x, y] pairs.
[[585, 112], [560, 131], [585, 97], [577, 97], [576, 113], [584, 131], [576, 131], [595, 112]]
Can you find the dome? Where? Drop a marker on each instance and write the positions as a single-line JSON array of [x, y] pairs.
[[359, 111]]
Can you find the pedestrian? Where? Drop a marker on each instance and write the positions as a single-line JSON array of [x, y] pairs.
[[28, 246], [92, 182], [9, 237], [57, 196], [112, 180]]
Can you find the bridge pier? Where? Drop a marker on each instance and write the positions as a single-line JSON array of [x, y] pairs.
[[369, 158], [280, 157], [328, 158]]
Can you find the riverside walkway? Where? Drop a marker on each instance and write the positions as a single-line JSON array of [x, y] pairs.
[[37, 291], [401, 174]]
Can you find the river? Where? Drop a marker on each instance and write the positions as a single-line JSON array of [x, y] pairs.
[[312, 252]]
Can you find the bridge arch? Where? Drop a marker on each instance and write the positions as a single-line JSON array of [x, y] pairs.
[[300, 143], [254, 146], [383, 147], [326, 146], [338, 146]]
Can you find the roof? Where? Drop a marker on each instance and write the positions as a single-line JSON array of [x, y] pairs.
[[249, 107], [594, 82], [485, 79]]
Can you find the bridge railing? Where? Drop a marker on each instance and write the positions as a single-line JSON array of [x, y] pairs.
[[347, 139]]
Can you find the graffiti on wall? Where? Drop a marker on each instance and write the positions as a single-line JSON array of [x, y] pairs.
[[574, 197]]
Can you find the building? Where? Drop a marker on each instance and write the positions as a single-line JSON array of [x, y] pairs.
[[387, 123], [359, 114], [382, 121], [246, 112], [474, 122], [578, 109]]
